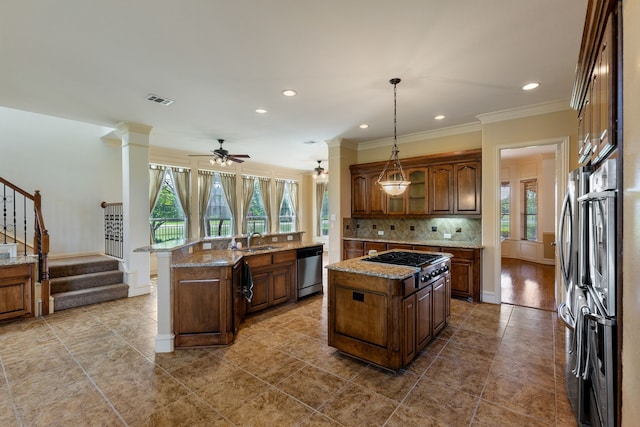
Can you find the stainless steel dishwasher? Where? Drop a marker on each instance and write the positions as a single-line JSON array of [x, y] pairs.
[[309, 270]]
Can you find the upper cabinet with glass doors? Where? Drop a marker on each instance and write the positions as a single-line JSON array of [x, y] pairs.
[[445, 184]]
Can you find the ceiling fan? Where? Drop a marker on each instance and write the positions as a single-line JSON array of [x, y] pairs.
[[221, 157]]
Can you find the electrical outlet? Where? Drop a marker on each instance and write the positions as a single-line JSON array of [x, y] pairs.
[[289, 237], [206, 246], [380, 232], [190, 250], [274, 239], [447, 235]]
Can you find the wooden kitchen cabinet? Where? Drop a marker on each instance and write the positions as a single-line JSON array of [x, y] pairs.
[[598, 83], [202, 306], [352, 249], [465, 272], [238, 297], [374, 246], [16, 291], [441, 190], [274, 279], [447, 184], [439, 305], [424, 322]]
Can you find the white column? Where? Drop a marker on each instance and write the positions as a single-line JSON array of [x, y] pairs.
[[135, 204], [165, 337]]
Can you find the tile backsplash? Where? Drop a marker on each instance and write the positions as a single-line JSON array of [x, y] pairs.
[[461, 229]]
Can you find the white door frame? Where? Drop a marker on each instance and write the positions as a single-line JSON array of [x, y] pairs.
[[562, 169]]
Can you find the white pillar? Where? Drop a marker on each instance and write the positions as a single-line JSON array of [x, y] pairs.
[[165, 337], [135, 204]]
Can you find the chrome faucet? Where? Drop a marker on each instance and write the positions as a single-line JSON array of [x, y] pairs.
[[249, 236]]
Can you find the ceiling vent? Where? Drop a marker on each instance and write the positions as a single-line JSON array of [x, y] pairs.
[[159, 99]]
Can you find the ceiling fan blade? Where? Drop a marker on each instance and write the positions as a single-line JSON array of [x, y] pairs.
[[235, 159], [201, 155], [244, 156]]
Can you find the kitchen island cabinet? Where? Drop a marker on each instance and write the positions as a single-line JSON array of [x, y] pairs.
[[16, 288], [274, 279], [383, 313]]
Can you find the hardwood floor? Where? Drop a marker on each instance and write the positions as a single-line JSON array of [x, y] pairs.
[[528, 284]]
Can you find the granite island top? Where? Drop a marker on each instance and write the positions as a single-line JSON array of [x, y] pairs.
[[368, 268], [28, 259], [440, 243], [221, 257]]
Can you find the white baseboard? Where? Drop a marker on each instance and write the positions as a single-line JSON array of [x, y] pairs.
[[164, 343], [489, 297]]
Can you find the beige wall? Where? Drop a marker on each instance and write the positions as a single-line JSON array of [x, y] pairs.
[[631, 201]]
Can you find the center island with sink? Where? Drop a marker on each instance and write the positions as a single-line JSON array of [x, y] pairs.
[[205, 290]]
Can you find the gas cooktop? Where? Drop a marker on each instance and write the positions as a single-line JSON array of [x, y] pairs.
[[411, 259]]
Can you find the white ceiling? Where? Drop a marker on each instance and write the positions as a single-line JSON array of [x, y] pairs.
[[220, 60]]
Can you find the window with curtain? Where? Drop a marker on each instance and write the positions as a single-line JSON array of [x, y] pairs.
[[505, 210], [530, 209], [324, 213], [167, 219], [256, 217], [218, 217], [287, 216]]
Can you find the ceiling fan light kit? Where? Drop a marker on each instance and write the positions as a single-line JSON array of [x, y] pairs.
[[398, 184], [320, 175], [221, 157]]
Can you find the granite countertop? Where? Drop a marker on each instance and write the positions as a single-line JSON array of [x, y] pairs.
[[441, 243], [227, 257], [29, 259], [388, 271]]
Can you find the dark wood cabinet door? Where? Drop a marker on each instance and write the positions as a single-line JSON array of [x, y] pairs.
[[238, 298], [376, 197], [352, 249], [16, 291], [424, 327], [467, 188], [374, 246], [280, 286], [439, 305], [261, 284], [441, 189], [359, 195], [409, 329]]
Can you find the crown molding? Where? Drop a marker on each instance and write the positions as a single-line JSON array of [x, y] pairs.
[[520, 112], [421, 136]]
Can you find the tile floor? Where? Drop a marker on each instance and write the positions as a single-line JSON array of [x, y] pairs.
[[95, 366]]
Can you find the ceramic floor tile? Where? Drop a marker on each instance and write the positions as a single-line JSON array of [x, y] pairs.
[[271, 408], [356, 406], [97, 365], [312, 386], [441, 402], [521, 396], [394, 385], [489, 415]]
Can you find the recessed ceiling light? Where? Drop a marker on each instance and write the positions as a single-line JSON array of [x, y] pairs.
[[261, 110], [364, 126], [289, 92], [439, 117], [530, 86]]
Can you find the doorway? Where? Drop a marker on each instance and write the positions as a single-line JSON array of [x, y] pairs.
[[530, 183]]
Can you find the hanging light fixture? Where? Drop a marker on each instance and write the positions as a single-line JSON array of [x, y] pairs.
[[397, 184], [320, 174]]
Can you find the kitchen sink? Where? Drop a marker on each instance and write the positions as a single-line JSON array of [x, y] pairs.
[[258, 248]]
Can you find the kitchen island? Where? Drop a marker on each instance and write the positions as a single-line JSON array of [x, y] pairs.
[[386, 313], [200, 288]]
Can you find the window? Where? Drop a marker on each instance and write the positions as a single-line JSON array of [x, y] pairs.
[[167, 218], [218, 217], [256, 215], [505, 210], [530, 209], [287, 213], [324, 214]]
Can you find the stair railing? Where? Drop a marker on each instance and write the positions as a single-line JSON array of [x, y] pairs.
[[113, 229], [15, 202]]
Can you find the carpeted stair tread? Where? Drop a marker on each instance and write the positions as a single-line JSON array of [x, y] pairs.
[[81, 265], [83, 281], [82, 297]]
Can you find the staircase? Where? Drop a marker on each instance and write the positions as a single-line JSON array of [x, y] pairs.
[[85, 280]]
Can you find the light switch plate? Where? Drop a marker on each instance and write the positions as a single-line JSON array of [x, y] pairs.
[[274, 239], [289, 237], [206, 246], [447, 235], [380, 232]]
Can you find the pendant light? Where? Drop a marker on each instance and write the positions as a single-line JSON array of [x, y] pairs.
[[398, 184]]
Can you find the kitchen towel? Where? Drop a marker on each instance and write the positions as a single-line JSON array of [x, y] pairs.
[[247, 283]]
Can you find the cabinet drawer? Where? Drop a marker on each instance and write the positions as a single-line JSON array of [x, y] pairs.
[[284, 256], [258, 260], [460, 253]]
